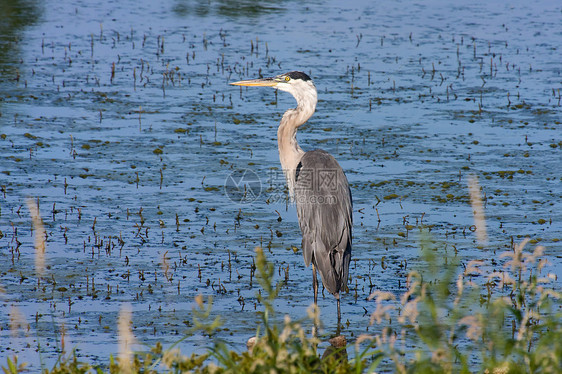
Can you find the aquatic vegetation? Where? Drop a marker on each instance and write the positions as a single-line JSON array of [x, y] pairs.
[[457, 318], [454, 317]]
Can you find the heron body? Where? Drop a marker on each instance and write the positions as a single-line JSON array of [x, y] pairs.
[[318, 186]]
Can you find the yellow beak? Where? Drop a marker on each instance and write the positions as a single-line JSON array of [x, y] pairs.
[[262, 82]]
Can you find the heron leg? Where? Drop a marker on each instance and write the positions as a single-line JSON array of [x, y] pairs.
[[315, 288], [337, 295], [315, 284]]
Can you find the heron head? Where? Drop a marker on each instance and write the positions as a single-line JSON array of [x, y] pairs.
[[295, 82]]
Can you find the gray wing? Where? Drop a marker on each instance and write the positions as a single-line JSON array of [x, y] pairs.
[[324, 209]]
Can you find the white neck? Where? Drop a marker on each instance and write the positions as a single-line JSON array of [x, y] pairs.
[[290, 153]]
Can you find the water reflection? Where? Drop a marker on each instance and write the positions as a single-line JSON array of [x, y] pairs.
[[228, 8], [16, 15]]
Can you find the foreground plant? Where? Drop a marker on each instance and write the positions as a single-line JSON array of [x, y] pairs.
[[453, 318], [508, 321]]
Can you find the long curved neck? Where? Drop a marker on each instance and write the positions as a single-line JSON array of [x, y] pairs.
[[290, 153]]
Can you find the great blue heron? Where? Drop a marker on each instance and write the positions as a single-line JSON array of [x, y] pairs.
[[319, 187]]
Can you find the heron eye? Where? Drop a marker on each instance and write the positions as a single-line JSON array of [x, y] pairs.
[[287, 78]]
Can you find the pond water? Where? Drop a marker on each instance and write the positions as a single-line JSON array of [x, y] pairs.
[[118, 120]]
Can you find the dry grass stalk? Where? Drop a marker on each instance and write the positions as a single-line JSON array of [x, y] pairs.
[[382, 311], [477, 210], [474, 327], [165, 265], [17, 321], [126, 339], [40, 236]]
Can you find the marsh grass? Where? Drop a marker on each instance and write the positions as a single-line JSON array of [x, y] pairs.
[[454, 317], [462, 320]]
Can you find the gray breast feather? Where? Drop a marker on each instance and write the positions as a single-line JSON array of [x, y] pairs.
[[324, 209]]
